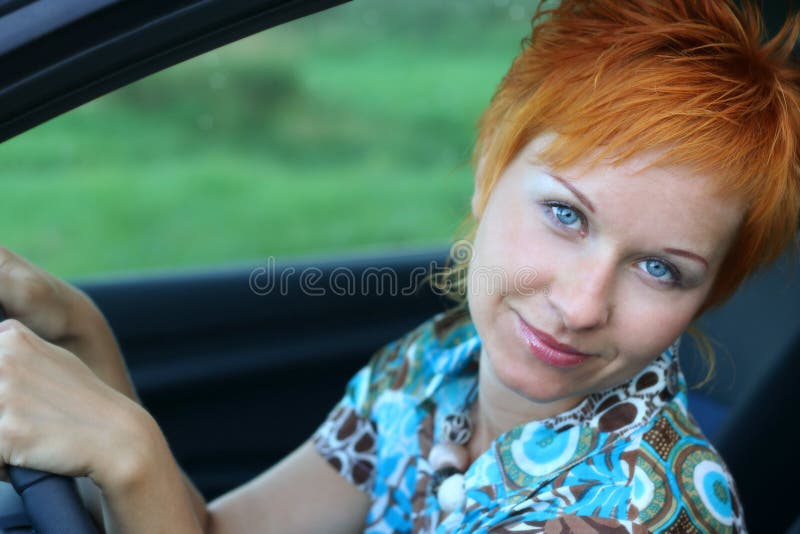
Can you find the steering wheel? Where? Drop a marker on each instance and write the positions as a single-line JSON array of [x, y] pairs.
[[48, 503], [51, 503]]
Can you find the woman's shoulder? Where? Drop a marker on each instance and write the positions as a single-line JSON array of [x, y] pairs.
[[681, 479], [677, 480], [658, 473], [663, 477]]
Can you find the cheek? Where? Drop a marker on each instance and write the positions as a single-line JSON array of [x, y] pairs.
[[491, 265], [507, 266], [543, 260], [647, 325], [513, 245]]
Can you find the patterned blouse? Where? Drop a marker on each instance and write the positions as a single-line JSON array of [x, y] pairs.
[[630, 459]]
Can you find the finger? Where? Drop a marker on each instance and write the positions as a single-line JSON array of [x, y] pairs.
[[17, 338], [24, 355], [14, 326], [26, 292]]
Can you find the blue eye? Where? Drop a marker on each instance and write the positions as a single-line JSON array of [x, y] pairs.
[[565, 215], [656, 268], [662, 271]]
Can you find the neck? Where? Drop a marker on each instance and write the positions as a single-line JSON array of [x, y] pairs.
[[498, 408]]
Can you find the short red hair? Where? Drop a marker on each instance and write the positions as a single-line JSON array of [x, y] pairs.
[[696, 79]]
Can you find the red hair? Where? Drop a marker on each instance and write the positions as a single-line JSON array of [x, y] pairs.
[[695, 79]]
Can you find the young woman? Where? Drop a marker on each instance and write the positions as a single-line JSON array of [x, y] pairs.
[[637, 162]]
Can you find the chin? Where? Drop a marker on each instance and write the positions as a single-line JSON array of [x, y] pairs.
[[537, 385]]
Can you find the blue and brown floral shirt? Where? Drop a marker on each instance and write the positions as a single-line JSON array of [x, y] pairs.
[[628, 459]]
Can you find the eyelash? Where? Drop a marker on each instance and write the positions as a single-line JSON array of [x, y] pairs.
[[676, 279]]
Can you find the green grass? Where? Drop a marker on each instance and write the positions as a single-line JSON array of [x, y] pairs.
[[348, 130]]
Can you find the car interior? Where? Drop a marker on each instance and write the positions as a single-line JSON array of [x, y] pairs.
[[216, 362]]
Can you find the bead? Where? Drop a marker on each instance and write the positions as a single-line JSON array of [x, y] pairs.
[[451, 494], [457, 428], [439, 476], [449, 454]]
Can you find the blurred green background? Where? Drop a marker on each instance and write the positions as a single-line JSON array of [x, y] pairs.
[[345, 131]]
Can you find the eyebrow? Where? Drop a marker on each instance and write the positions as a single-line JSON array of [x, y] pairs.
[[580, 196], [585, 201], [687, 254]]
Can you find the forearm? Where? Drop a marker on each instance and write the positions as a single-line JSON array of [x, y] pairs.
[[151, 494], [90, 337], [94, 501], [159, 504], [199, 504]]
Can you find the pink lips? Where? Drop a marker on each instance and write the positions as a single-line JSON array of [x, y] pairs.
[[548, 350]]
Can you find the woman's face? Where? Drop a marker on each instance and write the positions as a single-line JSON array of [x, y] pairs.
[[580, 278]]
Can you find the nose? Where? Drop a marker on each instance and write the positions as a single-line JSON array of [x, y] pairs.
[[581, 293]]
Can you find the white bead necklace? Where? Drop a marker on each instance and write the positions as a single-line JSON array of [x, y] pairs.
[[450, 458]]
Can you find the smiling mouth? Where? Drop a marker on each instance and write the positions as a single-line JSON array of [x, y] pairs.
[[549, 351]]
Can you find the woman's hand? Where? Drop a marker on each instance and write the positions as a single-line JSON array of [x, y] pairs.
[[62, 314], [57, 416], [92, 419]]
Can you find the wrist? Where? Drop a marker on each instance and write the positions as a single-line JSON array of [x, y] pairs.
[[139, 450], [142, 488], [84, 318]]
